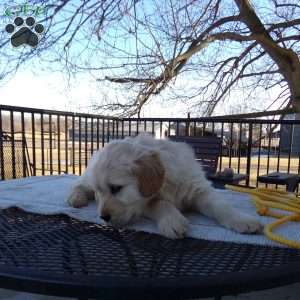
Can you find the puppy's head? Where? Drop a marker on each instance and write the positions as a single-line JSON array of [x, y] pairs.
[[125, 177]]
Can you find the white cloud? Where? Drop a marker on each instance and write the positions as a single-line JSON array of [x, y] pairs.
[[29, 90], [53, 91]]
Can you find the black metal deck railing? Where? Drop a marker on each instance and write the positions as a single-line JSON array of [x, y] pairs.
[[44, 142]]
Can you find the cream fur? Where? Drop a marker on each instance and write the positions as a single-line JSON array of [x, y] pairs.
[[183, 187]]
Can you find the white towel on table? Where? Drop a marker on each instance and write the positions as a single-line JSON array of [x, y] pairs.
[[47, 195]]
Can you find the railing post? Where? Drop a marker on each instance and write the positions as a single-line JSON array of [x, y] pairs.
[[249, 150], [13, 149], [187, 125], [2, 175]]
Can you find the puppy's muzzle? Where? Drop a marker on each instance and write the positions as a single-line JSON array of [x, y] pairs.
[[106, 217]]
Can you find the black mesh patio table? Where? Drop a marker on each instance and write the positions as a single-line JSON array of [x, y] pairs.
[[57, 255]]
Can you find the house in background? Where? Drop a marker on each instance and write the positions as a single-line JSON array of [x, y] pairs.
[[290, 136]]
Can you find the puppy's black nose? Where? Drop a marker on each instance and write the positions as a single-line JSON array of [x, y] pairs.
[[106, 218]]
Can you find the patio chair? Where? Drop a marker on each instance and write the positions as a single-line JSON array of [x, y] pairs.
[[290, 180], [207, 151], [15, 161]]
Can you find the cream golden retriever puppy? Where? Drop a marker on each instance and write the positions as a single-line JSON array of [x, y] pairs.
[[157, 179]]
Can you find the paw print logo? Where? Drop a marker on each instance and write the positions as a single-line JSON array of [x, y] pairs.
[[27, 32]]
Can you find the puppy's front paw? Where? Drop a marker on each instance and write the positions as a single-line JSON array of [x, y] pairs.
[[77, 198], [244, 224], [173, 227]]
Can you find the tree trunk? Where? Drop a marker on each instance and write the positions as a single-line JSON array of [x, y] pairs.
[[286, 59]]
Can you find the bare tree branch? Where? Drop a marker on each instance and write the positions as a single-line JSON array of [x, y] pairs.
[[197, 51]]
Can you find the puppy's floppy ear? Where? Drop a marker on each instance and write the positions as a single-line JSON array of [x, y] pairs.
[[150, 174]]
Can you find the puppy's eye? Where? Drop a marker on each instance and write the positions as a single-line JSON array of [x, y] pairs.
[[114, 189]]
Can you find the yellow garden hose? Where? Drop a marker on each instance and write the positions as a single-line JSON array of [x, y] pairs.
[[267, 199]]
